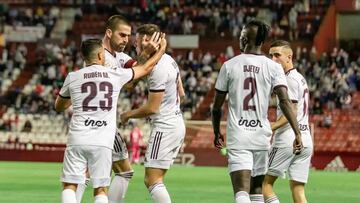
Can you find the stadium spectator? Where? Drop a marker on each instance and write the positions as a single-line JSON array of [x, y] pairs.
[[327, 122], [27, 126]]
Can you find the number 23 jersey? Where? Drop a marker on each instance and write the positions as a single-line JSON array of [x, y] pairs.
[[94, 92], [249, 80]]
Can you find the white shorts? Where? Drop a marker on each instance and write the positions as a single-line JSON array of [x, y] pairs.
[[164, 146], [94, 158], [283, 160], [120, 151], [254, 160]]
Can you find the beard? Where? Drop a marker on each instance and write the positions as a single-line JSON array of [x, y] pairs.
[[117, 47]]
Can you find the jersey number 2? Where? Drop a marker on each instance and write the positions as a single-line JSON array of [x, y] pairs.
[[92, 88], [249, 83]]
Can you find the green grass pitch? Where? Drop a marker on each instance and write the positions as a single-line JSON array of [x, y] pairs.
[[29, 182]]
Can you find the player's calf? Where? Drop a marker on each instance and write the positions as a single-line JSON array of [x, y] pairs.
[[119, 185], [298, 191]]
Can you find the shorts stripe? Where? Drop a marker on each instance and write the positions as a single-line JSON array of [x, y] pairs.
[[272, 155], [156, 145]]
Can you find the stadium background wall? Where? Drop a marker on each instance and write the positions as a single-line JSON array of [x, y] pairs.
[[333, 161]]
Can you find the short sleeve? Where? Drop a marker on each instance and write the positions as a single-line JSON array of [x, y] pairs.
[[157, 79], [222, 80], [65, 89], [125, 75], [278, 77], [293, 89]]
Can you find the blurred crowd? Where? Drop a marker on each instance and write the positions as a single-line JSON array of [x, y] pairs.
[[214, 18], [333, 78]]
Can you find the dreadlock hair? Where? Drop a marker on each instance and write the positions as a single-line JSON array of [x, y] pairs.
[[262, 31]]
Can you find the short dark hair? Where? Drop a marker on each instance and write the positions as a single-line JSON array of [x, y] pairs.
[[280, 43], [88, 48], [262, 31], [114, 20], [147, 29]]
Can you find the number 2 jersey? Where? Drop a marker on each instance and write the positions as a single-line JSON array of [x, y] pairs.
[[299, 94], [94, 92], [249, 80]]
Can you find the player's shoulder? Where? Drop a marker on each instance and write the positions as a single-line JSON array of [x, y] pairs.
[[166, 58], [122, 55], [294, 74]]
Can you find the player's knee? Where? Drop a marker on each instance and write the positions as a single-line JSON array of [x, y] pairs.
[[121, 166], [100, 191]]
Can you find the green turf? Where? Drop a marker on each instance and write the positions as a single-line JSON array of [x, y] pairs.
[[28, 182]]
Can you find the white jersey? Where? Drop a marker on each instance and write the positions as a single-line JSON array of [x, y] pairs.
[[94, 91], [164, 78], [298, 93], [249, 79], [117, 61]]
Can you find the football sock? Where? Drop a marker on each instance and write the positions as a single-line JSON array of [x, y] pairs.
[[159, 194], [119, 186], [242, 197], [81, 189], [68, 196], [273, 199], [257, 198], [101, 199]]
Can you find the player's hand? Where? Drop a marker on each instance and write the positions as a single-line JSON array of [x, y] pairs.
[[123, 118], [153, 44], [163, 42], [219, 140], [298, 146]]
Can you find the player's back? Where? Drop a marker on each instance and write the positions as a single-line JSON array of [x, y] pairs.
[[299, 93], [94, 92], [249, 80], [164, 78]]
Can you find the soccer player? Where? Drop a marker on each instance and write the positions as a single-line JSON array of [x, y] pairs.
[[249, 79], [116, 37], [281, 157], [93, 91], [163, 107]]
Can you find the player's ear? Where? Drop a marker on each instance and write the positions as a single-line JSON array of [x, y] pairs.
[[108, 33]]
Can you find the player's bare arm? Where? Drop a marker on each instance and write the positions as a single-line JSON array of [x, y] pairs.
[[142, 70], [61, 104], [216, 113], [149, 49], [285, 106], [151, 107], [282, 120]]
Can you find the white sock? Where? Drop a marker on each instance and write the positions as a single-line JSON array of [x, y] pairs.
[[257, 198], [101, 199], [81, 189], [68, 196], [119, 186], [242, 197], [159, 194], [273, 199]]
